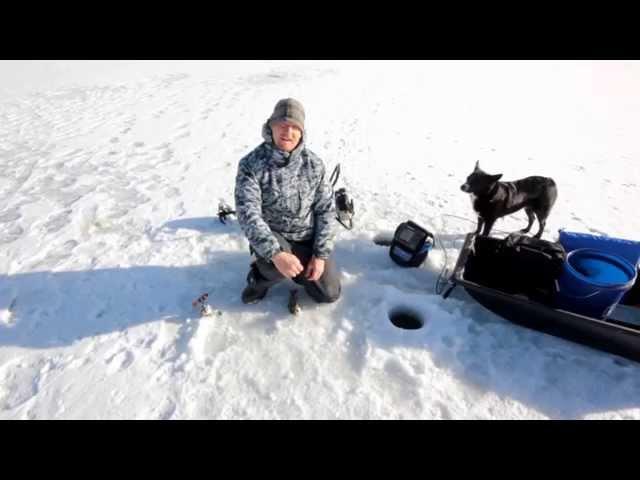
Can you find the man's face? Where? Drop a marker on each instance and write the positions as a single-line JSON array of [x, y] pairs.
[[285, 135]]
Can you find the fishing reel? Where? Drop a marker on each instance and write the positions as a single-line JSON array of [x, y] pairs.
[[344, 209], [202, 305], [224, 210], [344, 205]]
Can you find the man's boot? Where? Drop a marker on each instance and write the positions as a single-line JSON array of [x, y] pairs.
[[254, 291]]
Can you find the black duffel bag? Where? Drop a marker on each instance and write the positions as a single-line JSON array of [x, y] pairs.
[[485, 263], [517, 264]]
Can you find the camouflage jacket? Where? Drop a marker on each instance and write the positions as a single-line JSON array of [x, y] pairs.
[[287, 193]]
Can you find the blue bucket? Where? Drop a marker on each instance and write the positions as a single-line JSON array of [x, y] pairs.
[[629, 249], [592, 282]]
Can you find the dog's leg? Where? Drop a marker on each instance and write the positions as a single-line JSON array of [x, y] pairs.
[[542, 216], [531, 219], [480, 222], [542, 225], [543, 222], [544, 208], [488, 225]]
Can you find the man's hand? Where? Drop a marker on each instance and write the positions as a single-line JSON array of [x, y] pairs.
[[315, 269], [287, 264]]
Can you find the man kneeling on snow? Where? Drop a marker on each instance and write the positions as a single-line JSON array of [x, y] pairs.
[[285, 208]]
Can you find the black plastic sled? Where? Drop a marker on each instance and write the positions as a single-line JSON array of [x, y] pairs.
[[618, 334]]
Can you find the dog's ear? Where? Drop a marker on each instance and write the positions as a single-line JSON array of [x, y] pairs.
[[477, 166], [495, 178]]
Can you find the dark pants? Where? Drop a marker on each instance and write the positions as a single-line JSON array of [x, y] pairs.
[[325, 290]]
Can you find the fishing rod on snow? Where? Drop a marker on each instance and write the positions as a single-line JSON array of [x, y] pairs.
[[344, 205], [224, 210]]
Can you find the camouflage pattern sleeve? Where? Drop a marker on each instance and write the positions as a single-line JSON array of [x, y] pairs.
[[324, 214], [248, 198]]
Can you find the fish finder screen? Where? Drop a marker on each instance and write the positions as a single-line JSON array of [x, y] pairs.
[[410, 238]]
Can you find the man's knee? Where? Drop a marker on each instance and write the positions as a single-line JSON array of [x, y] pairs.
[[331, 294], [333, 297], [267, 269]]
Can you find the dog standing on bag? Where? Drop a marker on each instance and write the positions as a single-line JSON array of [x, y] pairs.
[[493, 199]]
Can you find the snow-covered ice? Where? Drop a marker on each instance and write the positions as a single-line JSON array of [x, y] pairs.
[[110, 177]]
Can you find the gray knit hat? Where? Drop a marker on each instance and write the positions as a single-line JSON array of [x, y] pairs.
[[290, 110]]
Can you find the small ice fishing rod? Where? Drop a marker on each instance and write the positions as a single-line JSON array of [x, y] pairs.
[[224, 210], [344, 205]]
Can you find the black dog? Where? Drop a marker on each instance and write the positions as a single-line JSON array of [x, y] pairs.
[[493, 199]]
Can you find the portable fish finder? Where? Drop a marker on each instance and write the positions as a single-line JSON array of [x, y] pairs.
[[411, 244]]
